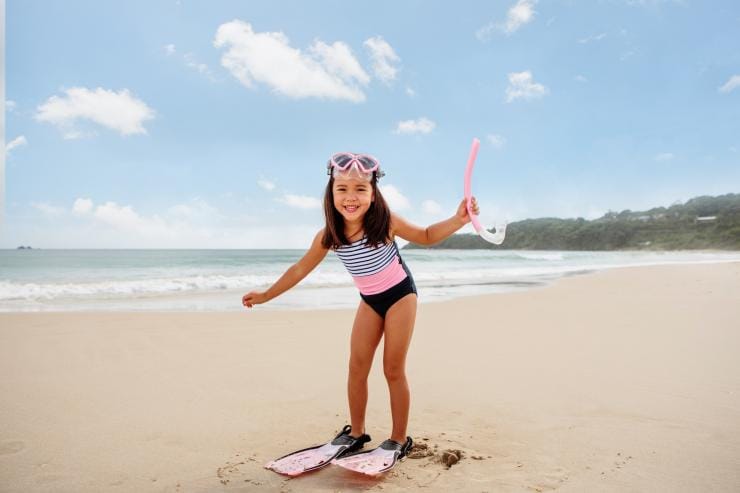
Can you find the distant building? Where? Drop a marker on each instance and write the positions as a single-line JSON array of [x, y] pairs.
[[705, 219]]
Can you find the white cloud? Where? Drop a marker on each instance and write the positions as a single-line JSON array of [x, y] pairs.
[[201, 68], [125, 219], [192, 224], [431, 207], [521, 86], [410, 92], [396, 200], [191, 62], [236, 232], [519, 14], [338, 60], [484, 33], [196, 210], [118, 111], [300, 201], [664, 156], [653, 3], [589, 39], [17, 142], [266, 184], [82, 206], [419, 126], [383, 57], [496, 140], [580, 78], [48, 209], [331, 73], [731, 84], [10, 105]]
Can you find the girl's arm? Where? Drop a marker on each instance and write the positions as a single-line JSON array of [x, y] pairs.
[[436, 232], [292, 276]]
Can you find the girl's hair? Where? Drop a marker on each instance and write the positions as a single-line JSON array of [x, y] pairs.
[[376, 223]]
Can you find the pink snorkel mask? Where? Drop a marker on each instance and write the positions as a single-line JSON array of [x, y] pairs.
[[349, 165]]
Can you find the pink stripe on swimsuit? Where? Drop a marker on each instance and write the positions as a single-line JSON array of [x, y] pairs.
[[374, 270]]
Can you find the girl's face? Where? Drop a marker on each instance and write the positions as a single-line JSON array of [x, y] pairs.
[[352, 197]]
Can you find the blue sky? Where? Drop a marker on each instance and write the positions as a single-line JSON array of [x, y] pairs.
[[184, 124]]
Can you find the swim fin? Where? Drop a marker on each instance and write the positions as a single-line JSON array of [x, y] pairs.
[[312, 458], [377, 460]]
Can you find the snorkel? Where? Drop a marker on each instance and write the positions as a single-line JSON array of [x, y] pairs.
[[498, 237]]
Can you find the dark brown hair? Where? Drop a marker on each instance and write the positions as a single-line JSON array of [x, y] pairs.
[[376, 223]]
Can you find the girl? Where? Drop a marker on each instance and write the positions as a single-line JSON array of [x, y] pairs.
[[361, 230]]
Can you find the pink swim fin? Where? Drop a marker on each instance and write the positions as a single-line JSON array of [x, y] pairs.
[[312, 458], [377, 460]]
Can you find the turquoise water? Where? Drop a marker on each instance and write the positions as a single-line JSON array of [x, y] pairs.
[[206, 280]]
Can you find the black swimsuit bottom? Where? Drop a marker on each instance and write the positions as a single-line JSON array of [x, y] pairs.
[[382, 302]]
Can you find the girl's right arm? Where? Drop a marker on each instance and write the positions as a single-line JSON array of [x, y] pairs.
[[292, 276]]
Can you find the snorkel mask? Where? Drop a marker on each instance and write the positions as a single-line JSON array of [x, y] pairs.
[[349, 165]]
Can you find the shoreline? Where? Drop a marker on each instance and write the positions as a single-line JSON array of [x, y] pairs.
[[621, 380], [524, 284]]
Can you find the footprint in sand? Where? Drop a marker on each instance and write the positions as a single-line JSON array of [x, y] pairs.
[[550, 481], [10, 447], [231, 470], [621, 460], [447, 457]]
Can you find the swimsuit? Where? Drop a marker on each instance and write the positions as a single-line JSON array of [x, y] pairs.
[[379, 273]]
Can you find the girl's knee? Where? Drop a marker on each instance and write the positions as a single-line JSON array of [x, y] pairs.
[[394, 372], [358, 368]]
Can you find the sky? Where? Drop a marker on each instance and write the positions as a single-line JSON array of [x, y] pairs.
[[191, 124]]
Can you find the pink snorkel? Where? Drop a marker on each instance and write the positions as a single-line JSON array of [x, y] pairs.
[[498, 237]]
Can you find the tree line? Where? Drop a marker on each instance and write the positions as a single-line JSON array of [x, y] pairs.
[[701, 223]]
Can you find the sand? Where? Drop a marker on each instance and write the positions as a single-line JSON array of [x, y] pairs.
[[623, 380]]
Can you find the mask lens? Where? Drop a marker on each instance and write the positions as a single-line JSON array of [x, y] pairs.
[[367, 163], [342, 160]]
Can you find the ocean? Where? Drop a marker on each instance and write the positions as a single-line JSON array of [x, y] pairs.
[[215, 280]]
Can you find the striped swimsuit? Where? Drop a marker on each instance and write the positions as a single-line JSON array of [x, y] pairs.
[[379, 273]]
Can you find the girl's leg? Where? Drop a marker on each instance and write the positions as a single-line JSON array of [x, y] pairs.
[[366, 333], [399, 326]]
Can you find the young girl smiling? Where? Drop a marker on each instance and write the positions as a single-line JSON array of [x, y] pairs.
[[361, 230]]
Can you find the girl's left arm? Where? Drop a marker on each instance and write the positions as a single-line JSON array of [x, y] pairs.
[[437, 231]]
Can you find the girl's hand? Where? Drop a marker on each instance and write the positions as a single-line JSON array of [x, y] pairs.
[[462, 210], [253, 298]]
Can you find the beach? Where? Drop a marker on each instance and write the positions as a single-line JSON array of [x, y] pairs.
[[621, 380]]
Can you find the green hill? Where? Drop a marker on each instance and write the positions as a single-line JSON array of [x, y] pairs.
[[701, 223]]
